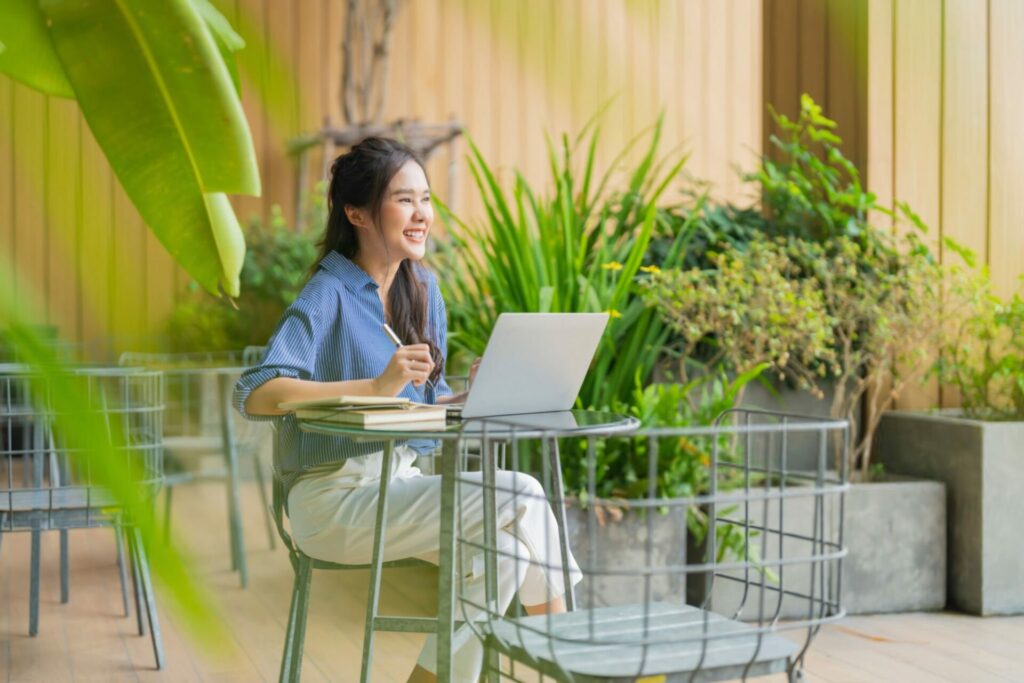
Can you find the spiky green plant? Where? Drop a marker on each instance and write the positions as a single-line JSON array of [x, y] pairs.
[[577, 249]]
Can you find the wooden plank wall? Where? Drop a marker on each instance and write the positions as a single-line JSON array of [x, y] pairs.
[[943, 107], [818, 47], [510, 71]]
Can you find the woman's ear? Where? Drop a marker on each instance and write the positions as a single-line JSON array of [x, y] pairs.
[[356, 216]]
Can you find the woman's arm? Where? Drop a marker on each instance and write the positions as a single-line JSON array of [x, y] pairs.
[[409, 364], [265, 398]]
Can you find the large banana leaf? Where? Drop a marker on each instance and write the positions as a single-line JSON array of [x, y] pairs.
[[153, 85], [29, 56]]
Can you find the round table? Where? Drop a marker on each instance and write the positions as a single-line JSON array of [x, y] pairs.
[[502, 428]]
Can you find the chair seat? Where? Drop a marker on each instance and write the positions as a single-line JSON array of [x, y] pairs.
[[179, 445], [605, 644]]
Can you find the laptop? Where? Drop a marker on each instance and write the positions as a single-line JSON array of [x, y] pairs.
[[534, 363]]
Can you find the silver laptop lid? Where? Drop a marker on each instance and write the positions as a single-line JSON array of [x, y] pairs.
[[534, 362]]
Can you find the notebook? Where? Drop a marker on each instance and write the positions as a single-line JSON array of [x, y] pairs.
[[411, 412]]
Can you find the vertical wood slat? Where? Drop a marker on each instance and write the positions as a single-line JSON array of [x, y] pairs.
[[7, 172], [94, 255], [964, 134], [62, 200], [879, 120], [1006, 102], [917, 126], [29, 139], [965, 124], [845, 87]]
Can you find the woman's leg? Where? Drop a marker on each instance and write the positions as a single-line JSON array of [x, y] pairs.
[[339, 526]]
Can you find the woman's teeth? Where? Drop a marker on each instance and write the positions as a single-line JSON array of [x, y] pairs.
[[415, 234]]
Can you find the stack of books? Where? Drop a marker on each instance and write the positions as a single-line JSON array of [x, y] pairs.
[[370, 412]]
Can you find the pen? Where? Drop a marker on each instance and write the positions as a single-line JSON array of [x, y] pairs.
[[391, 335]]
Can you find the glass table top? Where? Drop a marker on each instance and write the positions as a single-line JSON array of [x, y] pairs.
[[528, 425]]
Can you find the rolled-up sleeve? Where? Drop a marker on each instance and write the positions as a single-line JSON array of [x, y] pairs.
[[291, 352]]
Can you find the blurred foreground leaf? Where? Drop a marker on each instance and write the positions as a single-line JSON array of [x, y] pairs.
[[98, 440]]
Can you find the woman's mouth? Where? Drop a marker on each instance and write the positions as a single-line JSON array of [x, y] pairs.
[[415, 234]]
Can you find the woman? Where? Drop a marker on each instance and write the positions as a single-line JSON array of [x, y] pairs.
[[330, 342]]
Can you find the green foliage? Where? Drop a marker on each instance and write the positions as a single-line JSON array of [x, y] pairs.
[[275, 268], [152, 82], [708, 228], [622, 470], [883, 298], [749, 308], [982, 350], [578, 250], [622, 467], [813, 192], [98, 439]]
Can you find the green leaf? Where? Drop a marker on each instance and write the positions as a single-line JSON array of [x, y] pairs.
[[161, 104], [227, 39], [29, 56], [97, 440]]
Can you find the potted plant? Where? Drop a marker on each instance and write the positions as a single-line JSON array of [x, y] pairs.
[[976, 450]]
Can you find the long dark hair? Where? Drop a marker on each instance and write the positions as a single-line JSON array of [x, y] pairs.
[[360, 178]]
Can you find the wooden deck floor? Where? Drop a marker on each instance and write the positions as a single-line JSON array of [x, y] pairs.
[[90, 640]]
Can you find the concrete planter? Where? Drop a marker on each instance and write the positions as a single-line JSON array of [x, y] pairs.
[[982, 465], [895, 532]]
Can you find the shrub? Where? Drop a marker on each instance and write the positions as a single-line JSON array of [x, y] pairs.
[[276, 261], [982, 349], [750, 308]]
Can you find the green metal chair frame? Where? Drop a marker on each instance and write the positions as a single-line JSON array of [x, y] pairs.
[[184, 368], [303, 566], [65, 498]]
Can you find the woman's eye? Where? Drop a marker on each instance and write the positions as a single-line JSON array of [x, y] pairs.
[[407, 200]]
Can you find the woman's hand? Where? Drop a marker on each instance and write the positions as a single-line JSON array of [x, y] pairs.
[[472, 371], [410, 363]]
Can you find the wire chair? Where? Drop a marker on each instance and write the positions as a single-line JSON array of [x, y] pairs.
[[46, 482], [303, 566], [724, 562], [200, 422]]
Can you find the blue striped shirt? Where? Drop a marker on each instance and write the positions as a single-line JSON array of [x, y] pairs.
[[332, 332]]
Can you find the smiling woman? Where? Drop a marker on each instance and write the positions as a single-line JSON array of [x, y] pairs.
[[331, 342]]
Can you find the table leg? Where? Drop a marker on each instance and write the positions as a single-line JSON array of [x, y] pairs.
[[446, 562], [234, 497], [558, 502], [373, 595], [490, 456]]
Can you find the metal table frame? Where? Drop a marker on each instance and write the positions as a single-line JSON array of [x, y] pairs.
[[490, 430]]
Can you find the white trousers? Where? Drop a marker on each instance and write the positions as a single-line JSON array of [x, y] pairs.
[[333, 518]]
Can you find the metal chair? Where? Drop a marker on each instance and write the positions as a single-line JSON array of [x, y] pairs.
[[303, 566], [47, 480], [201, 422], [692, 587]]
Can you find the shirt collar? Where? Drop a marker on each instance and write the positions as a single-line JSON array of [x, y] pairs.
[[353, 277]]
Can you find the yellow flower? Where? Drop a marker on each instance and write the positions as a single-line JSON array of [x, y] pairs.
[[613, 313], [612, 265], [653, 270]]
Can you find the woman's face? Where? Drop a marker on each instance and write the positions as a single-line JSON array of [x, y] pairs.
[[406, 214]]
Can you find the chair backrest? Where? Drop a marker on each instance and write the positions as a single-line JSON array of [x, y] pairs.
[[49, 465], [252, 355], [192, 391]]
